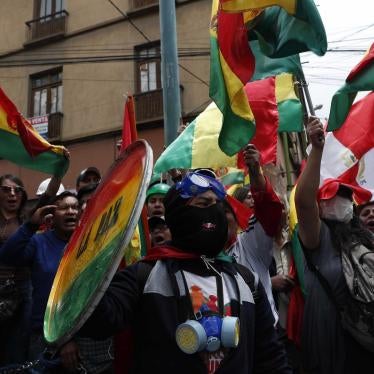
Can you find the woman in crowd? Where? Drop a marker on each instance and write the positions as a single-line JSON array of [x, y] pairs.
[[326, 229], [15, 289]]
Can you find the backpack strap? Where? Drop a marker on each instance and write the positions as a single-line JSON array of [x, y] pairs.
[[143, 271], [323, 281], [249, 277]]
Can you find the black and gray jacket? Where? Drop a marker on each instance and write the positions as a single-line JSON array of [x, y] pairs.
[[155, 304]]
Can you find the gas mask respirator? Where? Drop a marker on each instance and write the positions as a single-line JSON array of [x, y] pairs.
[[208, 332]]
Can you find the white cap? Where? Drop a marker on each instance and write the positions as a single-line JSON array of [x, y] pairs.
[[44, 185]]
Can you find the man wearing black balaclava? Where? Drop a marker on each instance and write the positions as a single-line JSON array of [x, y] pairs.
[[192, 309]]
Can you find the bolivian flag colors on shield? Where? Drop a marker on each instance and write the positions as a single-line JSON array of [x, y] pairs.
[[96, 247], [21, 144]]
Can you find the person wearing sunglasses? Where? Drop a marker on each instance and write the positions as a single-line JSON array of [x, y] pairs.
[[13, 325], [192, 309]]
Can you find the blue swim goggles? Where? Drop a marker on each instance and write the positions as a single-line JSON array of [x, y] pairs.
[[194, 184]]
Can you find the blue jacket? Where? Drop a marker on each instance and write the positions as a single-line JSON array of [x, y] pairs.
[[42, 253]]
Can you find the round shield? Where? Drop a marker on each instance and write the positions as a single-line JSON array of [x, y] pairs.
[[97, 246]]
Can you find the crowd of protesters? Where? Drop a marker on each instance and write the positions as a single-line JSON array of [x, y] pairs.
[[214, 294]]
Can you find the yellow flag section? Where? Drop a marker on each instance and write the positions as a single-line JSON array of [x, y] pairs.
[[245, 5], [96, 248], [297, 249], [205, 150]]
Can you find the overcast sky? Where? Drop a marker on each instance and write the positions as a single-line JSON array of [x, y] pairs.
[[349, 26]]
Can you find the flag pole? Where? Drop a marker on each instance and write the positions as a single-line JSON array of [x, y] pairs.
[[287, 160], [305, 111]]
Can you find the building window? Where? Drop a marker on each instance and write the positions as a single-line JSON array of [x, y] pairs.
[[45, 8], [46, 93], [148, 67]]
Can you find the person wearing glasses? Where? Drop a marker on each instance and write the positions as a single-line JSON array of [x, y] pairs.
[[13, 280], [192, 309], [41, 253]]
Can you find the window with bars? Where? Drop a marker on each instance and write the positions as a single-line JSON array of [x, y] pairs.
[[45, 8], [148, 67], [46, 93]]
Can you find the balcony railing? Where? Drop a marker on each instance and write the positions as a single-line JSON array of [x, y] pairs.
[[136, 4], [50, 26], [54, 126], [148, 106]]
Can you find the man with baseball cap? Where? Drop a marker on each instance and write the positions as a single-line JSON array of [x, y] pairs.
[[159, 230]]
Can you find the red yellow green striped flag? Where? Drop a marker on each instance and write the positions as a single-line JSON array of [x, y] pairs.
[[231, 67], [198, 145], [286, 27], [21, 144], [361, 78]]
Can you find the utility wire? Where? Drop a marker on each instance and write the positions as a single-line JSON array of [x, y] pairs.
[[125, 15], [146, 38], [93, 59]]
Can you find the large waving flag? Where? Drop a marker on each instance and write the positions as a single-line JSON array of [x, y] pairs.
[[197, 146], [21, 144], [276, 108], [231, 67], [280, 29], [284, 27], [348, 154], [361, 78]]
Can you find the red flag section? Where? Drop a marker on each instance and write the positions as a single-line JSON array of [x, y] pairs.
[[364, 63], [234, 46], [263, 102], [32, 141], [129, 133]]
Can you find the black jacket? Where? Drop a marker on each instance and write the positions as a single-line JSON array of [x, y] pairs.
[[155, 306]]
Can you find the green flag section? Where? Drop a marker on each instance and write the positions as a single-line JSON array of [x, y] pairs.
[[231, 67], [281, 33], [268, 67], [361, 78], [21, 144], [197, 146]]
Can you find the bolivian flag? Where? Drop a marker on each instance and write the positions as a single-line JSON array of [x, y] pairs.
[[231, 67], [197, 146], [21, 144], [285, 27], [276, 108]]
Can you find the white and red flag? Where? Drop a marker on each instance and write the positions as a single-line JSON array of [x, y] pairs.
[[348, 155]]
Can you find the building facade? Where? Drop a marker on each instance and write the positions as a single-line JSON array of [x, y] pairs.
[[69, 64]]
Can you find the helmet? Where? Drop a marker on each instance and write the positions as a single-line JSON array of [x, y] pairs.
[[158, 189], [44, 185]]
